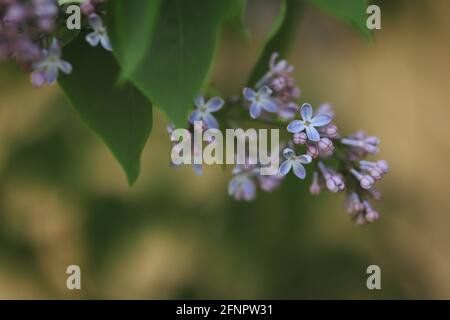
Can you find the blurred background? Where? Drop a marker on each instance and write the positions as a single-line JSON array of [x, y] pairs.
[[64, 199]]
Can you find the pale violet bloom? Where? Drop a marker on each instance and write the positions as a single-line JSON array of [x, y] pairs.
[[242, 187], [204, 109], [294, 162], [260, 100], [47, 69], [100, 35], [309, 123]]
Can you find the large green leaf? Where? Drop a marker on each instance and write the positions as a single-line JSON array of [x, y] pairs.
[[130, 27], [350, 11], [120, 115], [279, 37], [181, 52]]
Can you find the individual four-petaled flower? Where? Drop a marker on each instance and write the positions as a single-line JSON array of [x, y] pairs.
[[204, 110], [309, 123], [100, 35], [47, 69], [260, 100], [242, 187], [294, 162]]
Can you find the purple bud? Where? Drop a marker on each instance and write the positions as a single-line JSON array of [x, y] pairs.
[[371, 214], [376, 173], [315, 189], [16, 14], [372, 140], [352, 204], [330, 131], [300, 138], [383, 165], [87, 7], [366, 182], [375, 194], [325, 145], [312, 150]]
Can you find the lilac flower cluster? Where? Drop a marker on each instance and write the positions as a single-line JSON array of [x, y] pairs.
[[28, 31], [336, 163]]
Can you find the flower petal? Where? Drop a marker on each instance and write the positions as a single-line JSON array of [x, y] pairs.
[[249, 94], [199, 101], [55, 49], [248, 190], [255, 110], [265, 92], [305, 159], [296, 126], [299, 170], [215, 104], [51, 74], [233, 185], [306, 112], [198, 169], [321, 120], [312, 134], [65, 66], [106, 44], [210, 121], [93, 39], [195, 116], [95, 21], [285, 167], [269, 105], [288, 153]]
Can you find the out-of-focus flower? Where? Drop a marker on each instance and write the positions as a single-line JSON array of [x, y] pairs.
[[49, 66], [309, 123], [260, 100], [242, 187], [100, 35], [204, 111]]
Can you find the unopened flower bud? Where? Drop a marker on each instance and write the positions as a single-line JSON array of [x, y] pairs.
[[366, 182], [315, 189], [383, 165], [312, 150], [325, 145], [300, 138]]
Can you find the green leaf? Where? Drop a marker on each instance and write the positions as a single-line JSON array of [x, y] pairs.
[[350, 11], [178, 60], [237, 17], [279, 37], [130, 27], [120, 115]]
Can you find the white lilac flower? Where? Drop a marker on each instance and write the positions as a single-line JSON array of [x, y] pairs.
[[309, 123], [294, 162], [204, 110], [100, 35], [260, 100], [48, 68]]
